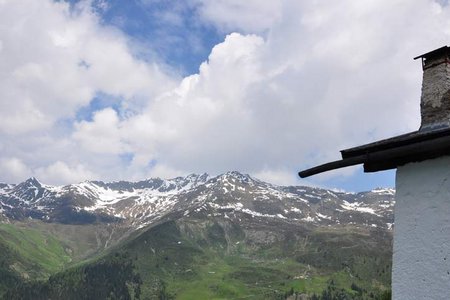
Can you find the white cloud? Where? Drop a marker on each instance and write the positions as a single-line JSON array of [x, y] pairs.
[[314, 78], [326, 77], [247, 16], [13, 169], [206, 116], [54, 60], [102, 135], [60, 173], [280, 177]]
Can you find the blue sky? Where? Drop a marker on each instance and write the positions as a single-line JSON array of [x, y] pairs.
[[169, 28], [126, 90]]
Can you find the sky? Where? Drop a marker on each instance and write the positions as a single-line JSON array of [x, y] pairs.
[[128, 90]]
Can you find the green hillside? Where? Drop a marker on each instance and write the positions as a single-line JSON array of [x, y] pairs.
[[218, 262], [37, 254], [32, 251], [216, 259], [28, 255]]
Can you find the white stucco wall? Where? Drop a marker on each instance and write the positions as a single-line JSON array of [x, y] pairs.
[[421, 262]]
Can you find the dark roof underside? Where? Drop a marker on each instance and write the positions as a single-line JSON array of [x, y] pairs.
[[391, 153], [433, 53]]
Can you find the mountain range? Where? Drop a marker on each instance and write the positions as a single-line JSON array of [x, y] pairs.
[[230, 236]]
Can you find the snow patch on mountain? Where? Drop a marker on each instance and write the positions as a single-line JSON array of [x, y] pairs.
[[384, 191], [358, 206]]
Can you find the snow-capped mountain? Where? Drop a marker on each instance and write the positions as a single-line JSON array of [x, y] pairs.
[[231, 195]]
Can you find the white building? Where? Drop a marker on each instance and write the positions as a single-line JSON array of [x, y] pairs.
[[421, 261]]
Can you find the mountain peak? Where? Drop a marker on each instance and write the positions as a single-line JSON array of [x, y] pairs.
[[33, 181], [236, 176], [202, 176]]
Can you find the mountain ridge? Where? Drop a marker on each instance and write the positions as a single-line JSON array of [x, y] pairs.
[[140, 203]]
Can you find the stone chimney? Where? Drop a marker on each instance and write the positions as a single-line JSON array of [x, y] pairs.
[[435, 100]]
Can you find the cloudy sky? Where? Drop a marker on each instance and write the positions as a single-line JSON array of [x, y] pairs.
[[133, 89]]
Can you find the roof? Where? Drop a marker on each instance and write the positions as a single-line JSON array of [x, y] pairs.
[[434, 53], [390, 153]]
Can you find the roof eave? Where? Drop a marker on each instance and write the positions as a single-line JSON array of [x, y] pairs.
[[432, 53], [391, 154]]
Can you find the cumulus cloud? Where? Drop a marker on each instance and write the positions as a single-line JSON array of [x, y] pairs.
[[280, 177], [102, 135], [14, 169], [326, 77], [248, 16], [297, 82], [60, 173], [54, 59]]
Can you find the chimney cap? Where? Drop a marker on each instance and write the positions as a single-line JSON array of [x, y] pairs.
[[434, 53]]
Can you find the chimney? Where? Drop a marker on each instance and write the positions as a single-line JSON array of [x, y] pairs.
[[435, 99]]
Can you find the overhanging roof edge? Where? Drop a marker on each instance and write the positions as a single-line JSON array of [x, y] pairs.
[[390, 153], [432, 53]]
